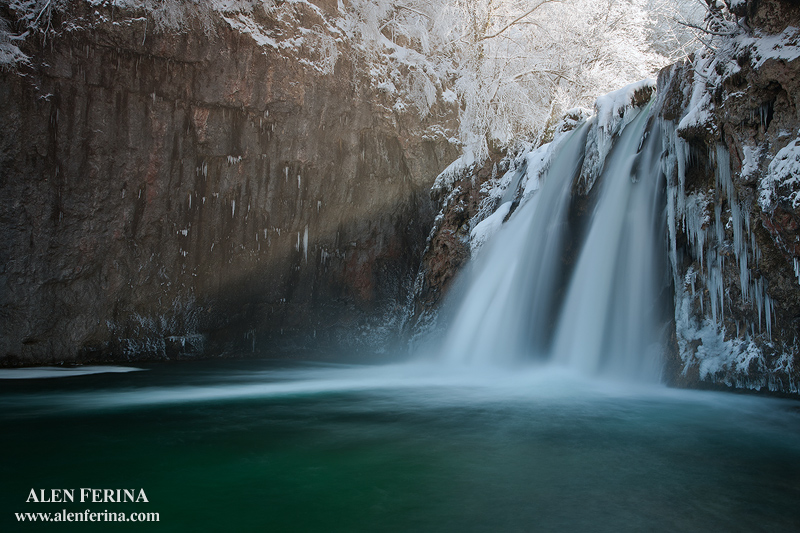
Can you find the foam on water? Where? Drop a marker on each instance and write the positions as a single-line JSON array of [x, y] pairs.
[[61, 372]]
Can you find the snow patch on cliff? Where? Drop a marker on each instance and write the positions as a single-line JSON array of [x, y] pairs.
[[698, 114], [720, 358], [782, 181], [488, 227], [536, 163], [784, 46], [454, 171], [315, 47], [751, 156], [10, 54]]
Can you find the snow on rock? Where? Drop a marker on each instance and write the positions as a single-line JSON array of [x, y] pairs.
[[247, 26], [10, 54], [698, 115], [316, 47], [488, 227], [536, 164], [538, 160], [572, 119], [519, 184], [751, 157], [613, 112], [618, 108], [449, 96], [782, 181], [387, 87], [444, 181], [783, 46], [733, 361]]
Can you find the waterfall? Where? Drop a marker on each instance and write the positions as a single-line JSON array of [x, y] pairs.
[[575, 281], [609, 321]]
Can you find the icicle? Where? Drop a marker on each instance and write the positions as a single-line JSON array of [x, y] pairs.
[[668, 167], [768, 314], [682, 155], [765, 114], [305, 245], [715, 289], [719, 230], [797, 268], [756, 249], [759, 299], [671, 216], [695, 222]]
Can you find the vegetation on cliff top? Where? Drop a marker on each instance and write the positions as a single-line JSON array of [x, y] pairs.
[[514, 67]]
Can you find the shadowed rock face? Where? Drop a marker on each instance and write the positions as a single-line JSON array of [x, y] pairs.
[[167, 195]]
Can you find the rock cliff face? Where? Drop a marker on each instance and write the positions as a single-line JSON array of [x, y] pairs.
[[733, 117], [167, 194]]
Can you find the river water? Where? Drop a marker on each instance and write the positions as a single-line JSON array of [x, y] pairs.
[[284, 446]]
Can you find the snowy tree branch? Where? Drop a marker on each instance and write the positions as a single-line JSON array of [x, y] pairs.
[[411, 9], [729, 33], [517, 20]]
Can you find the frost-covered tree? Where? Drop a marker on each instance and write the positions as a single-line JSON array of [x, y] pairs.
[[516, 65]]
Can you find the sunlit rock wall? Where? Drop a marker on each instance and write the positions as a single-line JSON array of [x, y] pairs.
[[175, 194]]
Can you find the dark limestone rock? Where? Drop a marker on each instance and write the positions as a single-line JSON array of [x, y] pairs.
[[168, 194], [771, 16]]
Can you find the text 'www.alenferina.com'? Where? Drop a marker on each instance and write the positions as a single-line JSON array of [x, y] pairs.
[[87, 495], [86, 516]]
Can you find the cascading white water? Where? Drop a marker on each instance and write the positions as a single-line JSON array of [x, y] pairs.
[[610, 319], [599, 312], [512, 287]]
